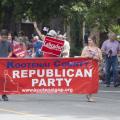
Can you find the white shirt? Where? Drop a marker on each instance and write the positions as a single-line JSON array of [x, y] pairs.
[[66, 49]]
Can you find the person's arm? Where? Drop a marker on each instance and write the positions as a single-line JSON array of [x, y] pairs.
[[103, 48], [85, 53], [66, 49], [38, 31], [65, 53], [33, 52], [24, 47], [10, 54], [10, 50], [119, 49], [99, 56]]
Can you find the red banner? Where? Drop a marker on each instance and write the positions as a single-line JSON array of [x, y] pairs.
[[52, 46], [53, 75], [19, 49]]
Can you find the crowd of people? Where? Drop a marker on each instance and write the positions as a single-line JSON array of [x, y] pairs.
[[21, 47], [32, 48]]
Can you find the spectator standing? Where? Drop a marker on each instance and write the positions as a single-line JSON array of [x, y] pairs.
[[110, 49], [37, 45], [51, 33], [22, 38]]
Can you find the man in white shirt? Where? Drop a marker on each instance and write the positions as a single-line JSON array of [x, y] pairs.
[[66, 48]]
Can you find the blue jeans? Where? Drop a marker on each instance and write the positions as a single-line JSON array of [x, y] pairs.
[[111, 63]]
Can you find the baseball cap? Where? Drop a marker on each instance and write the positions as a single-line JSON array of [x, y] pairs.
[[52, 33]]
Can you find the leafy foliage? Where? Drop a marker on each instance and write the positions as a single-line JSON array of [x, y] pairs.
[[99, 13], [103, 13], [115, 29]]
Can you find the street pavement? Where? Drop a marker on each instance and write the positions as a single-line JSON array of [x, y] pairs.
[[63, 107]]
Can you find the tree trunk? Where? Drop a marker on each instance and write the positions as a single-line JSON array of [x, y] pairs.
[[7, 18]]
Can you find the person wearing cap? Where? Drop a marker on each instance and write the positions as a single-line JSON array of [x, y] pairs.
[[51, 33]]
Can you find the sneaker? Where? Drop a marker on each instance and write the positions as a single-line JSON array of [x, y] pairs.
[[4, 97], [117, 85], [90, 99]]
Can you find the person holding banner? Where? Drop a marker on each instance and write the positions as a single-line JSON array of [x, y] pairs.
[[5, 50], [93, 52], [19, 49]]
